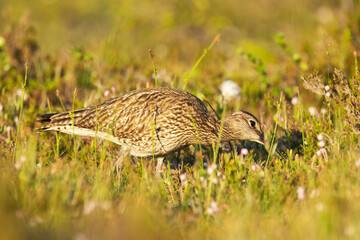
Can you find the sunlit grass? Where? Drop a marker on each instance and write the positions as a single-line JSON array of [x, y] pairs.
[[66, 187]]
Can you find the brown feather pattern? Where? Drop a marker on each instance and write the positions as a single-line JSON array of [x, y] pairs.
[[154, 120]]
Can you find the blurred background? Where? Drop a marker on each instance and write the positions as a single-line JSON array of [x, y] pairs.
[[266, 42], [101, 48]]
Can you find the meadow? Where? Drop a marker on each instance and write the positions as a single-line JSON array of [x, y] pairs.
[[296, 63]]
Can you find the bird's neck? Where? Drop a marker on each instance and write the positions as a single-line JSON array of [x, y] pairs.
[[224, 130]]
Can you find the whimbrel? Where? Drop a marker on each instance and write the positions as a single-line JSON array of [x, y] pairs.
[[154, 122]]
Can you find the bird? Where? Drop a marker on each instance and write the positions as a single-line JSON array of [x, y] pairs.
[[154, 122]]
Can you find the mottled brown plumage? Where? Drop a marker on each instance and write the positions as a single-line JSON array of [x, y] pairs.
[[155, 121]]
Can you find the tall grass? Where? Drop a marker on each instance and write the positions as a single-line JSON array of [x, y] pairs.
[[71, 191]]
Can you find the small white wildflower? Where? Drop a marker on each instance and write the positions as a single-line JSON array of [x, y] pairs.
[[294, 100], [300, 193], [211, 168], [230, 90], [8, 130], [89, 207], [255, 167], [327, 88], [320, 137], [321, 144], [183, 179], [322, 151], [17, 165], [38, 165], [19, 94], [278, 118], [22, 159], [106, 93], [202, 179], [244, 151], [312, 111], [349, 230], [113, 89], [323, 111], [319, 207], [204, 183], [219, 174], [213, 208], [214, 180], [327, 94], [357, 163]]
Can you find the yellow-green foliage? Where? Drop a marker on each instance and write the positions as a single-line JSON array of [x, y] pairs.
[[296, 63]]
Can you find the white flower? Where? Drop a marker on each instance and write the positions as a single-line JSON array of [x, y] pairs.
[[349, 230], [300, 193], [294, 100], [323, 111], [183, 179], [89, 207], [213, 208], [321, 144], [322, 151], [357, 163], [214, 180], [106, 93], [17, 165], [244, 151], [327, 88], [211, 168], [312, 111], [230, 90], [255, 167], [113, 89], [320, 137], [327, 94], [319, 207], [19, 94], [278, 118]]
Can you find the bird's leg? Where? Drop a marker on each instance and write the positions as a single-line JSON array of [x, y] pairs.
[[118, 163], [159, 162]]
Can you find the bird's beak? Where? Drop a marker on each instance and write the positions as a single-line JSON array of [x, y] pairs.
[[262, 139]]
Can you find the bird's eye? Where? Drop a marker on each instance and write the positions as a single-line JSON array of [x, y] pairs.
[[252, 123]]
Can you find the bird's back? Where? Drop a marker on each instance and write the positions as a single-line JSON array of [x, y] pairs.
[[155, 120]]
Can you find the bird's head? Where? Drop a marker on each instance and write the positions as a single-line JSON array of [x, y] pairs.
[[242, 125]]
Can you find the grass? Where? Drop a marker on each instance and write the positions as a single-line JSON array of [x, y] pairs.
[[56, 186]]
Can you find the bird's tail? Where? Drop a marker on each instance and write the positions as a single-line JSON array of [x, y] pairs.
[[64, 120]]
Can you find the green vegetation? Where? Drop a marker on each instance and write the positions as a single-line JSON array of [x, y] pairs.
[[296, 63]]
